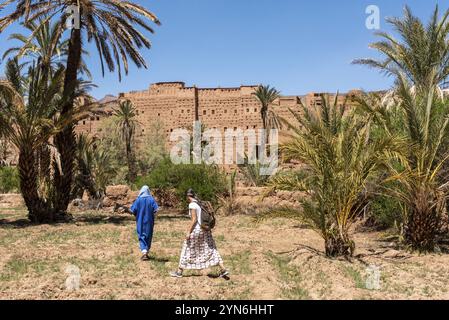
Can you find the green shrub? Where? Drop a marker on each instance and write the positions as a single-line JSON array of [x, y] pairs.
[[385, 212], [208, 181], [9, 179]]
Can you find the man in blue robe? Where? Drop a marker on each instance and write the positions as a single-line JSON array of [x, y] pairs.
[[145, 209]]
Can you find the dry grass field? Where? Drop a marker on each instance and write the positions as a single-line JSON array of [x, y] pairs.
[[275, 259]]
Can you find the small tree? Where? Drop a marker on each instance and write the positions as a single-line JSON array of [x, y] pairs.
[[339, 158], [266, 96], [419, 60], [127, 125], [152, 149], [29, 119]]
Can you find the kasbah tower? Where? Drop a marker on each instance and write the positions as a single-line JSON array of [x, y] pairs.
[[174, 105]]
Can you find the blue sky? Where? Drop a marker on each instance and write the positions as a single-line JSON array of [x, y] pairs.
[[297, 46]]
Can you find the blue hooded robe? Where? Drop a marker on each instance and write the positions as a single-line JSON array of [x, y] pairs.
[[144, 208]]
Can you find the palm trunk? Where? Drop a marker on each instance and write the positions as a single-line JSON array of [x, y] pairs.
[[264, 113], [132, 175], [65, 140], [424, 221], [38, 211], [44, 165], [338, 246]]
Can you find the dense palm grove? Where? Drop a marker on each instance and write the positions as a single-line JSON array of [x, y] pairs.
[[385, 154], [112, 26]]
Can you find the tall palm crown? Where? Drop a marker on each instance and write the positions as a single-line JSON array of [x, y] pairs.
[[127, 123], [111, 24], [44, 45], [266, 96], [421, 53]]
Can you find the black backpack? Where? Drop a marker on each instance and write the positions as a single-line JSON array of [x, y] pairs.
[[208, 220]]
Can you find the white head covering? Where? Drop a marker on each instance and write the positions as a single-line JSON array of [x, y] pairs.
[[144, 192]]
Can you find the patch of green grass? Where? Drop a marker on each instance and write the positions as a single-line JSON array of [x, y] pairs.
[[239, 263], [232, 290], [14, 269], [245, 222], [109, 296], [13, 213], [124, 262], [355, 276], [112, 235], [219, 238], [57, 236], [9, 216], [9, 237], [17, 266], [278, 222], [426, 291], [168, 235], [290, 276], [43, 267], [170, 239], [246, 294], [160, 263], [323, 278], [21, 210], [94, 265]]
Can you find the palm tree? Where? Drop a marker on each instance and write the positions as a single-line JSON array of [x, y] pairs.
[[83, 170], [113, 27], [422, 122], [29, 118], [44, 46], [94, 168], [103, 171], [421, 54], [127, 124], [339, 158], [266, 96], [420, 63]]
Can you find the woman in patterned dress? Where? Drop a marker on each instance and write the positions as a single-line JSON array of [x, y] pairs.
[[199, 250]]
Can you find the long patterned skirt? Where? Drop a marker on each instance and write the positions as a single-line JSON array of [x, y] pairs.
[[199, 251]]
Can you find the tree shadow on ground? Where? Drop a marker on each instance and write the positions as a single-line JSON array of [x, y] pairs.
[[104, 219], [216, 276], [15, 224], [19, 223], [172, 217], [158, 259], [88, 218]]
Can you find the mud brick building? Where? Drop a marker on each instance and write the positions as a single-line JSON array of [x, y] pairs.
[[174, 105]]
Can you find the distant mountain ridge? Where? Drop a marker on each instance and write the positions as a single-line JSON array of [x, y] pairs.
[[107, 98]]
